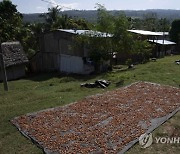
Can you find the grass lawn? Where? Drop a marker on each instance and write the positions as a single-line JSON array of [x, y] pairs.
[[49, 90]]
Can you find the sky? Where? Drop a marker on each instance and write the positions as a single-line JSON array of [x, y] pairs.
[[39, 6]]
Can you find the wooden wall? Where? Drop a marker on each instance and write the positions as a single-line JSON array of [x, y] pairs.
[[52, 45], [71, 64]]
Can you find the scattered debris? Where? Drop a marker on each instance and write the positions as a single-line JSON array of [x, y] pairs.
[[89, 85], [131, 66], [96, 84], [154, 59], [177, 62]]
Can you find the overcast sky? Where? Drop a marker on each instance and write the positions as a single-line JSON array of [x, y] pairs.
[[38, 6]]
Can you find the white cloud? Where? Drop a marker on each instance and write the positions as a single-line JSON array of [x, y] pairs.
[[64, 6], [67, 6], [53, 3]]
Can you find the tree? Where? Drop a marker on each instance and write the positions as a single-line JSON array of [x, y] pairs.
[[121, 41], [105, 21], [136, 23], [141, 51], [126, 45], [150, 21], [30, 37], [163, 25], [98, 45], [51, 18], [10, 21], [13, 29], [55, 20], [175, 31]]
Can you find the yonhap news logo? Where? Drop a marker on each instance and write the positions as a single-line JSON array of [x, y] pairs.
[[146, 140]]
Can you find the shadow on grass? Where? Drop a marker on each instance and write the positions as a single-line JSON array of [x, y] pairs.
[[38, 77]]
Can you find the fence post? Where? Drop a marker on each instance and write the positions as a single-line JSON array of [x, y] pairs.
[[3, 68]]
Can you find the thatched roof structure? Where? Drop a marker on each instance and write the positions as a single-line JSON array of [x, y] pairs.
[[13, 54]]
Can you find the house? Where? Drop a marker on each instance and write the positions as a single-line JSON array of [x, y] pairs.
[[160, 39], [164, 35], [162, 47], [14, 60], [58, 52], [146, 35]]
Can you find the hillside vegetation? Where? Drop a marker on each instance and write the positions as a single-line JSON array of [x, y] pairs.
[[91, 15]]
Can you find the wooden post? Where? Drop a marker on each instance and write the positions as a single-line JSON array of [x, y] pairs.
[[3, 68]]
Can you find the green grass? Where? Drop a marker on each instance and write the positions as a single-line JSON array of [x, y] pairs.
[[171, 128], [50, 90]]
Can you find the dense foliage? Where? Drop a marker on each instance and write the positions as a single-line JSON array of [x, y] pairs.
[[152, 23], [55, 20], [10, 21], [91, 15], [175, 31], [12, 26], [120, 43]]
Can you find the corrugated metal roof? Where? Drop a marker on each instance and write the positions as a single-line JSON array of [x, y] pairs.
[[163, 42], [163, 33], [147, 33], [87, 32]]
